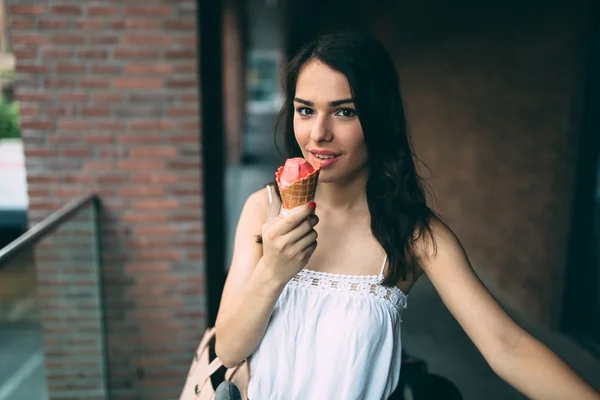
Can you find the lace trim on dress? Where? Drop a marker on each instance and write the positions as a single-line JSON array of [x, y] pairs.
[[360, 285]]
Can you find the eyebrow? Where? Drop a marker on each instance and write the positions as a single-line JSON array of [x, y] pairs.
[[334, 103]]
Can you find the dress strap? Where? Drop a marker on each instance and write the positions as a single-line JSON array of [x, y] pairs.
[[270, 194], [383, 265]]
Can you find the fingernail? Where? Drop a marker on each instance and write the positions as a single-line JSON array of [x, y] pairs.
[[313, 204]]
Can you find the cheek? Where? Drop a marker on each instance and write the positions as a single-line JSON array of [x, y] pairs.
[[301, 132], [357, 144]]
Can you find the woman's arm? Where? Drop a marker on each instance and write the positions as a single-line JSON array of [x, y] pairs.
[[259, 273], [249, 295], [516, 356]]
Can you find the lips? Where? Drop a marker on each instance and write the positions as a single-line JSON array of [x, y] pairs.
[[324, 158]]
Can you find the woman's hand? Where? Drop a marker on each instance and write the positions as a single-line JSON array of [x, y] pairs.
[[289, 241]]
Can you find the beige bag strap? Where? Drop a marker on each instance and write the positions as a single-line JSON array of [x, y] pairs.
[[274, 202]]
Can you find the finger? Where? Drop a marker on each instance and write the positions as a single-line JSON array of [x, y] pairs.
[[286, 223], [301, 230], [306, 241]]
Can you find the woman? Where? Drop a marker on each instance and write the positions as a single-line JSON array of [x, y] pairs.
[[323, 321]]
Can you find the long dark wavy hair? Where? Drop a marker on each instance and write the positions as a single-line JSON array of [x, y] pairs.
[[396, 194]]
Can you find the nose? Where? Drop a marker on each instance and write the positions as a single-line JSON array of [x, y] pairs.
[[321, 131]]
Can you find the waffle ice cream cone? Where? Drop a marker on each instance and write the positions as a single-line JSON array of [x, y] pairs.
[[299, 191]]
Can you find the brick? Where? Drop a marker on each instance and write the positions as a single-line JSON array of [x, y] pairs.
[[103, 39], [107, 69], [59, 83], [155, 204], [149, 124], [148, 69], [41, 125], [190, 40], [33, 96], [109, 125], [68, 192], [25, 54], [131, 83], [39, 152], [136, 138], [190, 98], [102, 10], [181, 83], [190, 54], [61, 111], [30, 68], [136, 24], [94, 83], [98, 138], [56, 53], [68, 39], [188, 25], [154, 177], [70, 97], [148, 10], [128, 53], [29, 110], [112, 177], [142, 191], [91, 24], [187, 69], [190, 125], [70, 69], [153, 151], [81, 152], [92, 54], [35, 192], [65, 9], [185, 138], [147, 40], [49, 24], [108, 97], [17, 23], [27, 9], [140, 165], [28, 39], [34, 178], [160, 255], [147, 267], [182, 112], [95, 112], [60, 138], [74, 124]]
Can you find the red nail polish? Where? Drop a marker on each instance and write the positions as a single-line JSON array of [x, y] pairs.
[[313, 204]]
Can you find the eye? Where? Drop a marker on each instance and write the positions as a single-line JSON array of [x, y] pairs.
[[346, 113], [304, 111]]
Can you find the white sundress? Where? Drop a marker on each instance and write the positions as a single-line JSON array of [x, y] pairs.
[[330, 336]]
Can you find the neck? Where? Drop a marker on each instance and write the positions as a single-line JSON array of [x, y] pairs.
[[348, 196]]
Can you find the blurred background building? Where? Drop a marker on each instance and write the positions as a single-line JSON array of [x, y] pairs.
[[132, 133]]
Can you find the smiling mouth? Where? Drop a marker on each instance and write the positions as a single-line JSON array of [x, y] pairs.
[[325, 157]]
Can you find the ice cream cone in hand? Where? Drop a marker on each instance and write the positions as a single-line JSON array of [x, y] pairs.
[[297, 181]]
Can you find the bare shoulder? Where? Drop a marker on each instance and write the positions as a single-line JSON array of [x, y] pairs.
[[246, 249], [442, 244], [256, 209]]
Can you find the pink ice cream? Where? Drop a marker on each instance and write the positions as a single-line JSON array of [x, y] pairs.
[[294, 170]]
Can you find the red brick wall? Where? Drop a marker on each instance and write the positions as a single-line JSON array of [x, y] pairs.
[[492, 109], [109, 103]]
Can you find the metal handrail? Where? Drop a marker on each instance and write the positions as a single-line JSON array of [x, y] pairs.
[[48, 224]]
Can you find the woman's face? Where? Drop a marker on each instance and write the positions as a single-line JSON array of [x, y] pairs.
[[326, 126]]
